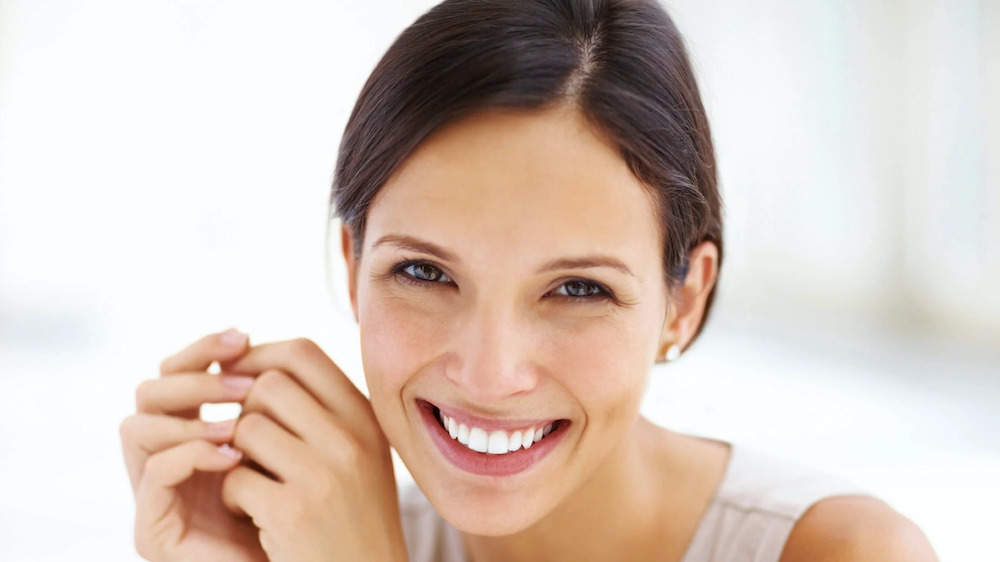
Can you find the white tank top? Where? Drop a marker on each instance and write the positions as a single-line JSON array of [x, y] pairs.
[[758, 502]]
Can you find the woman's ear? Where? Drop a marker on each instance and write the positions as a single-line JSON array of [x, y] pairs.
[[347, 248], [687, 307]]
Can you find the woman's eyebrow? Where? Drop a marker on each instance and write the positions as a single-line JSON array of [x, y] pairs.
[[416, 245], [587, 262], [425, 247]]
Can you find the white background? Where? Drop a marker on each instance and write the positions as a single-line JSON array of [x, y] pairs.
[[165, 167]]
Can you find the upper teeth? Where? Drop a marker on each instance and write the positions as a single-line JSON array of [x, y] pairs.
[[493, 442]]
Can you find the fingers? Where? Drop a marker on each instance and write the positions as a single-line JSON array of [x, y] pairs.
[[143, 435], [248, 492], [201, 354], [166, 469], [305, 361], [291, 436], [184, 392], [277, 395], [273, 447]]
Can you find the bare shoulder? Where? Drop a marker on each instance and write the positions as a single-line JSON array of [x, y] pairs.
[[856, 528]]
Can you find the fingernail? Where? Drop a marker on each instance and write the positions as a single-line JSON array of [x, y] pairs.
[[222, 427], [230, 452], [237, 382], [233, 337]]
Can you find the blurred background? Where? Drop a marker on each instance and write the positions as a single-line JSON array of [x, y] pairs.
[[164, 173]]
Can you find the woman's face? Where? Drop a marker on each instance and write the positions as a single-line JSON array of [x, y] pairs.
[[511, 280]]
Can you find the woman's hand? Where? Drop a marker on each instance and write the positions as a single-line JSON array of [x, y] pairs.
[[176, 465], [333, 495]]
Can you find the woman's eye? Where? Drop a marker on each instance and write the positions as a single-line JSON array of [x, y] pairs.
[[579, 288], [423, 271]]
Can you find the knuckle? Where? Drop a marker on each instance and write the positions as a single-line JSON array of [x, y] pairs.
[[248, 426], [271, 381], [155, 466], [143, 392], [230, 481], [302, 346], [127, 429], [166, 365]]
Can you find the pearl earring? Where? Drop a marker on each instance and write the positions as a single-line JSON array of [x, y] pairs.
[[673, 352]]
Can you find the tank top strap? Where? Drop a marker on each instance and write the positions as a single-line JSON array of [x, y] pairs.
[[429, 538], [759, 501]]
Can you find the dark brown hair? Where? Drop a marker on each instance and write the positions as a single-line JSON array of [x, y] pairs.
[[621, 62]]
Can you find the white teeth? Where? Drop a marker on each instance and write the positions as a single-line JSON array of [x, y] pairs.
[[498, 443], [477, 440], [528, 437], [495, 442], [515, 442]]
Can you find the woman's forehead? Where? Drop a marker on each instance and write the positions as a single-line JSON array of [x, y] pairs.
[[516, 179]]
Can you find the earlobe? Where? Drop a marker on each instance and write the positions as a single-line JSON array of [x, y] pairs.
[[668, 353], [347, 249]]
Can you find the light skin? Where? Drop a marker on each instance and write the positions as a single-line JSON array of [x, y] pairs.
[[330, 494], [506, 197], [511, 269]]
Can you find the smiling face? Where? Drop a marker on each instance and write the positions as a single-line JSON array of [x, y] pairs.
[[511, 279]]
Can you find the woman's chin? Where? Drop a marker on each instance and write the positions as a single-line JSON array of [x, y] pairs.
[[486, 519], [488, 513]]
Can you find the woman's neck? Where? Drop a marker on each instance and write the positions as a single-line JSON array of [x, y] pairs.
[[645, 500]]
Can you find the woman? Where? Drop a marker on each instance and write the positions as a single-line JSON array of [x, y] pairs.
[[530, 220]]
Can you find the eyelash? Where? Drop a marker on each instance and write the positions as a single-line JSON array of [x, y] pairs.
[[603, 292], [399, 271]]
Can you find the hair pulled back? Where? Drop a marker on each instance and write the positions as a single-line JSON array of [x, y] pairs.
[[622, 63]]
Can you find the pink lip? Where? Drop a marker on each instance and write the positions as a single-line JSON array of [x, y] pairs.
[[485, 464]]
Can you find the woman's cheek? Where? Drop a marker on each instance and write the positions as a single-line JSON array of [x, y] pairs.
[[398, 337], [602, 364], [600, 356]]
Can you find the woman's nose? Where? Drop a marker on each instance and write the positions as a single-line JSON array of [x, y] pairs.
[[494, 356]]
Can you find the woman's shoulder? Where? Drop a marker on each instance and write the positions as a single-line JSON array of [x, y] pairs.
[[758, 482], [786, 511], [856, 528]]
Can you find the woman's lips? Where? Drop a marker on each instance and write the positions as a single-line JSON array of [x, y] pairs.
[[501, 448]]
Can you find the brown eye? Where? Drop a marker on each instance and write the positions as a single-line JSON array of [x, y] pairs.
[[423, 271], [581, 288]]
